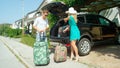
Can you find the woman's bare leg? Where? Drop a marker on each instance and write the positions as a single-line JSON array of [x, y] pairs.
[[72, 53], [75, 49]]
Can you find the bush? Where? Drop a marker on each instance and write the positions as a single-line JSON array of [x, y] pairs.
[[52, 19], [28, 40], [16, 33], [5, 30]]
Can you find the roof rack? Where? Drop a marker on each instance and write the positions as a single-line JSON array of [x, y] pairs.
[[82, 13]]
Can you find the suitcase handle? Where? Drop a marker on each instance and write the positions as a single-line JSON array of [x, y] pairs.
[[42, 36]]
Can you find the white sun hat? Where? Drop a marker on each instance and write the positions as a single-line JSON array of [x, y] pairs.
[[71, 10]]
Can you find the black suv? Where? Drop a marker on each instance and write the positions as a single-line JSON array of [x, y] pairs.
[[93, 29]]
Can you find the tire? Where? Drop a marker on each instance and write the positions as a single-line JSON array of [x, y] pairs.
[[84, 46]]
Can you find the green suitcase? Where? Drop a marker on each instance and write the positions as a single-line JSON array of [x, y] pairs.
[[41, 53]]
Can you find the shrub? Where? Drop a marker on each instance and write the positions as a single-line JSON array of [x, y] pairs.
[[5, 30], [28, 40], [14, 33]]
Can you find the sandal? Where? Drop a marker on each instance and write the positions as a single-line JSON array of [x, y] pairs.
[[77, 58]]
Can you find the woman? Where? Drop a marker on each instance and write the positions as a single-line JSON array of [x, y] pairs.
[[74, 31]]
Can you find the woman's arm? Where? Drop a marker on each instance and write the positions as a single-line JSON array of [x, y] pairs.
[[66, 19], [66, 29]]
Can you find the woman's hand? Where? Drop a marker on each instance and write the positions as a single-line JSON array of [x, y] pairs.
[[66, 19], [64, 31]]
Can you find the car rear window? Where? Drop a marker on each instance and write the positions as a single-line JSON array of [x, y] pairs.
[[104, 21]]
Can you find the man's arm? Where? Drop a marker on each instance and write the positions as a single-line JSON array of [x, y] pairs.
[[35, 27]]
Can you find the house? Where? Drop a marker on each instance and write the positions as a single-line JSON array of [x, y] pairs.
[[29, 20], [30, 17], [17, 24], [43, 4]]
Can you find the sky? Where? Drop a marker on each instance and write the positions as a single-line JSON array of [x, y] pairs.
[[12, 10]]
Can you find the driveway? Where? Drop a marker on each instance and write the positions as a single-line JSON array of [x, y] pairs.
[[104, 56]]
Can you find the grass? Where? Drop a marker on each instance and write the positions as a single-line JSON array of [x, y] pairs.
[[28, 40]]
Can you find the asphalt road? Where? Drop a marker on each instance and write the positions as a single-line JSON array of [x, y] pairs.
[[25, 53], [8, 59]]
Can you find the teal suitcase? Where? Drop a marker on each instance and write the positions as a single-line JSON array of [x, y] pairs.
[[41, 53]]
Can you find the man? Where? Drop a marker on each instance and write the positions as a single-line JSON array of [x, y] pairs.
[[41, 54], [41, 24]]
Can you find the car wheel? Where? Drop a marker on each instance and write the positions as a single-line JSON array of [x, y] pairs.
[[84, 46]]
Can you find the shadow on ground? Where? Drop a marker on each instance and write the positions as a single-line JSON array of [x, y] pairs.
[[112, 50]]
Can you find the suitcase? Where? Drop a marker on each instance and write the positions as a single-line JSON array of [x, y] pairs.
[[60, 54], [41, 53]]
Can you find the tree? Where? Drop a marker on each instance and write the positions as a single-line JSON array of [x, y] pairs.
[[73, 3]]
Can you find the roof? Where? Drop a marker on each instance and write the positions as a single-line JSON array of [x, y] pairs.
[[97, 5], [41, 5]]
